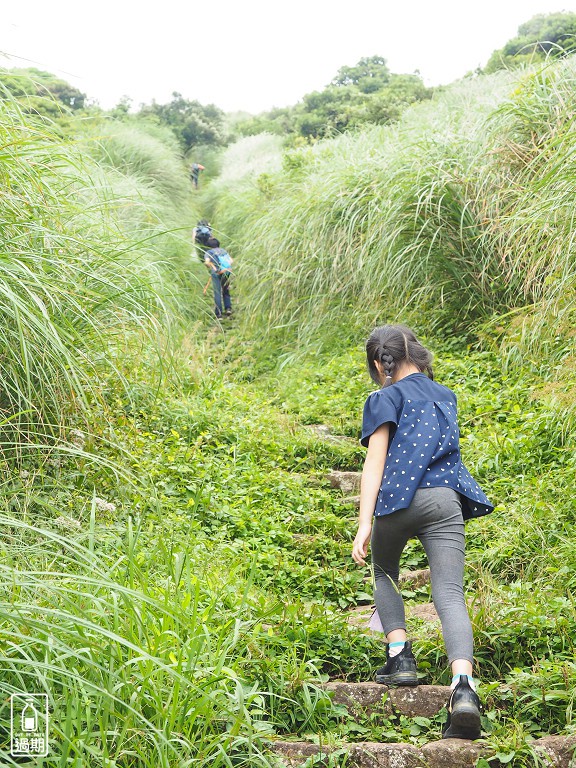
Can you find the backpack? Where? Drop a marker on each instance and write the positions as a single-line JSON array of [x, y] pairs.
[[221, 260], [203, 233], [225, 261]]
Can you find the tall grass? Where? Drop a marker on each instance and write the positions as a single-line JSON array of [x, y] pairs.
[[361, 224], [141, 645], [250, 157], [94, 251], [65, 288], [139, 659], [460, 213], [231, 201], [149, 154], [142, 174]]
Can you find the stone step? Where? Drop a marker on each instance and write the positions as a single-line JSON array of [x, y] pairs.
[[347, 482], [363, 699], [323, 432], [410, 579], [448, 753], [415, 579], [424, 611]]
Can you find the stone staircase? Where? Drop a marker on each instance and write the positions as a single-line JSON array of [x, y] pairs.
[[369, 702], [364, 701], [450, 753]]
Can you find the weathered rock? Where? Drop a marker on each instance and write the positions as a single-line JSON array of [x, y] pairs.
[[347, 482], [415, 578], [408, 578], [447, 753], [294, 753], [421, 701], [364, 755], [424, 611], [560, 750], [364, 698], [360, 698], [451, 753], [374, 755], [354, 500]]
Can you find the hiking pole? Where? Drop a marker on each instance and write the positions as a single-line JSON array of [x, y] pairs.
[[206, 286]]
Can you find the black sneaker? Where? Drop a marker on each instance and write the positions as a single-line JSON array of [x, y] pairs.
[[464, 709], [400, 669]]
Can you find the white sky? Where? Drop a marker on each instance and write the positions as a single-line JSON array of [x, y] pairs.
[[251, 54]]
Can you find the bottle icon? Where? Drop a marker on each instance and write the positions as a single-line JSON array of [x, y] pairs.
[[29, 717]]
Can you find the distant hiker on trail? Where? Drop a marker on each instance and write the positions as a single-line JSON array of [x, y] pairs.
[[414, 484], [195, 169], [219, 263]]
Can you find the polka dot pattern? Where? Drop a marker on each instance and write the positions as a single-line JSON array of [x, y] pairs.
[[424, 449]]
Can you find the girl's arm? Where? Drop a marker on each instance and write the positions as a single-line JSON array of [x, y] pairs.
[[369, 487]]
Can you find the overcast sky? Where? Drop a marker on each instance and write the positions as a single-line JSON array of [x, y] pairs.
[[251, 54]]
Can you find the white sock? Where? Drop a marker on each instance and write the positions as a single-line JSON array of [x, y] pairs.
[[395, 648], [456, 680]]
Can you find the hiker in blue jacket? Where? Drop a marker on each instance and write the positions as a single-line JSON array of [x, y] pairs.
[[414, 484], [195, 170], [219, 263]]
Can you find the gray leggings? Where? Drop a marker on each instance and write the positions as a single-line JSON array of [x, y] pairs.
[[435, 517]]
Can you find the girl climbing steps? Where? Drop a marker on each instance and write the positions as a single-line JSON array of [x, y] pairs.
[[414, 484]]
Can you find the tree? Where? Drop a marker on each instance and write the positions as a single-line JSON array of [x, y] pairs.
[[349, 101], [365, 93], [369, 75], [279, 121], [552, 34], [122, 109], [323, 113], [192, 122], [387, 105]]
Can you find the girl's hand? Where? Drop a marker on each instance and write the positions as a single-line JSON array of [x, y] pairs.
[[360, 546]]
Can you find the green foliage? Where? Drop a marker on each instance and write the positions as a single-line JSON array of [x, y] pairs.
[[198, 612], [552, 35], [461, 215], [228, 605], [144, 152], [365, 93], [277, 121], [41, 93], [228, 468], [192, 123], [370, 74], [142, 174], [67, 285], [135, 661], [355, 224]]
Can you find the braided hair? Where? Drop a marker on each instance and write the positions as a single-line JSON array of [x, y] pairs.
[[392, 346]]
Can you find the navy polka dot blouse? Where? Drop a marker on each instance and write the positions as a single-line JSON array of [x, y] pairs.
[[424, 450]]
